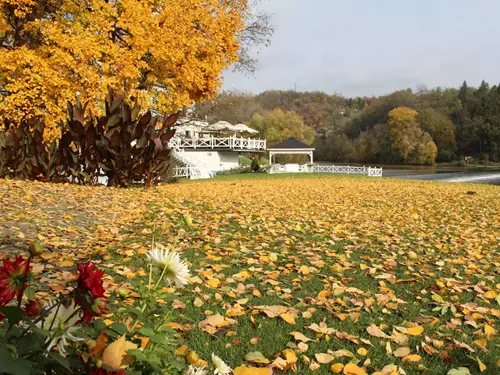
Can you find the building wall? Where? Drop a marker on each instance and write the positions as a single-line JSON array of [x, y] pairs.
[[217, 161]]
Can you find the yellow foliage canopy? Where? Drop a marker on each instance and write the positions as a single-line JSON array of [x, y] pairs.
[[165, 54], [408, 138]]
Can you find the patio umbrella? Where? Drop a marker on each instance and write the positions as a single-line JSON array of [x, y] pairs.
[[242, 128], [221, 126]]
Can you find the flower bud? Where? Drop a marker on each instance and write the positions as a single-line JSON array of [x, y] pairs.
[[98, 305], [90, 344], [188, 220], [33, 307], [192, 357], [36, 248]]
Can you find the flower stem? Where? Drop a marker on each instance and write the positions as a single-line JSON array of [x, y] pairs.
[[55, 317], [150, 276], [161, 277], [25, 277]]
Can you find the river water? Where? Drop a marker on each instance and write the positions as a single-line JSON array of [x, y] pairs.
[[483, 175]]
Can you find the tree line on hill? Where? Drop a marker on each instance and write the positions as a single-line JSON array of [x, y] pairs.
[[406, 126]]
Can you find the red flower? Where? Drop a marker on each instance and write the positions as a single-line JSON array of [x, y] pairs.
[[33, 307], [90, 292], [12, 279], [100, 371]]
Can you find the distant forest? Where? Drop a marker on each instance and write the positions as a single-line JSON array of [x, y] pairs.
[[413, 127]]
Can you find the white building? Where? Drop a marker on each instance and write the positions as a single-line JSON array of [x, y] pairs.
[[200, 150]]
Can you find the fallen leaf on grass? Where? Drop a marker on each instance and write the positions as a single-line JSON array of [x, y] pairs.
[[324, 358], [244, 370], [373, 330], [352, 369], [256, 357], [415, 331], [288, 318], [402, 352], [216, 324], [300, 337]]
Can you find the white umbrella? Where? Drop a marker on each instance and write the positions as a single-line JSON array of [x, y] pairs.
[[220, 126], [242, 128]]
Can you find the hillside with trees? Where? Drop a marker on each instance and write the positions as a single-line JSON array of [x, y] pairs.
[[410, 127]]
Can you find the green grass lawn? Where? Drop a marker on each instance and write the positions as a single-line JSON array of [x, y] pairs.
[[370, 258]]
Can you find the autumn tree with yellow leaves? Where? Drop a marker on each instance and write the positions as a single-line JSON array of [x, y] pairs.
[[161, 54], [408, 138]]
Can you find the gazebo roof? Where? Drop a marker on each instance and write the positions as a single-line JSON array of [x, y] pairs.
[[291, 144]]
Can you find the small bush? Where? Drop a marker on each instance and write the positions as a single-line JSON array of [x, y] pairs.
[[245, 161], [445, 156], [255, 165], [238, 170]]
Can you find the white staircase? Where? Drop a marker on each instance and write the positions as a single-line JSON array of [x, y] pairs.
[[186, 165]]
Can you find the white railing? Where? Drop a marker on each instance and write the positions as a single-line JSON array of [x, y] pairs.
[[189, 172], [335, 169], [189, 166], [374, 172], [341, 169], [232, 143]]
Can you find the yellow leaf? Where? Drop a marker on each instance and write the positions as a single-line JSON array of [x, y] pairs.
[[489, 331], [362, 352], [256, 293], [402, 352], [174, 325], [244, 370], [482, 342], [115, 355], [415, 331], [288, 318], [307, 315], [352, 369], [412, 358], [290, 355], [491, 294], [66, 263], [336, 368], [482, 366], [377, 332], [324, 358], [182, 350], [300, 337], [304, 270], [213, 283], [313, 366]]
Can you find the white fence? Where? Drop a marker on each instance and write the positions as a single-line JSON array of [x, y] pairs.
[[335, 169], [189, 172], [231, 143]]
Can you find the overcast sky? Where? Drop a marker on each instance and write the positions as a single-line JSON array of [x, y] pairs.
[[373, 47]]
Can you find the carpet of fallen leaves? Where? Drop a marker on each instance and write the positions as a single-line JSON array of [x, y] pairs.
[[342, 275]]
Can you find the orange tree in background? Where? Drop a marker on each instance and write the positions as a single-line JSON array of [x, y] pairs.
[[163, 54]]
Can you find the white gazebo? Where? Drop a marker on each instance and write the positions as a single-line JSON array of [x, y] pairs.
[[291, 146]]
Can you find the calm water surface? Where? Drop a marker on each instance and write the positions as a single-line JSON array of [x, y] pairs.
[[489, 176]]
